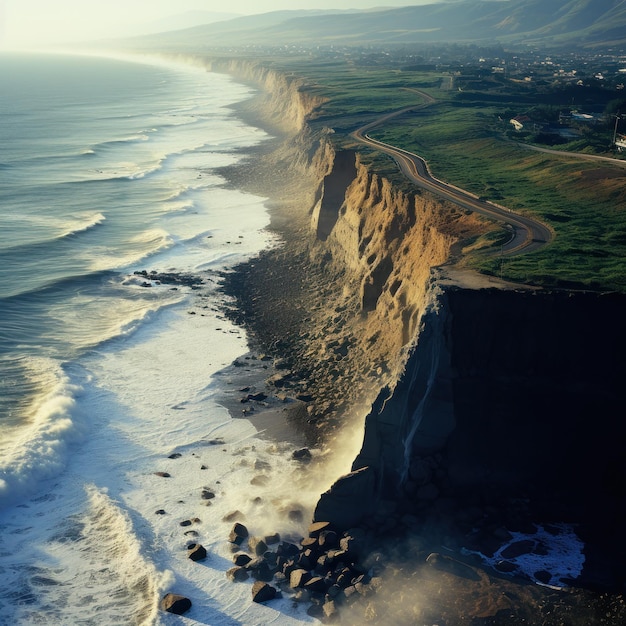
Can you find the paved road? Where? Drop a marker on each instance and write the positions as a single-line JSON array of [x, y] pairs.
[[527, 234]]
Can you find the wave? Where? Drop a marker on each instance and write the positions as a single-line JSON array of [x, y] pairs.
[[112, 143], [40, 449], [83, 224], [68, 229], [89, 566], [120, 172]]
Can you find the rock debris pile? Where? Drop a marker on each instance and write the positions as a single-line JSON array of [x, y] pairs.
[[326, 570]]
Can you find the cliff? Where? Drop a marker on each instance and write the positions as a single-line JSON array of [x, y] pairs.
[[497, 399]]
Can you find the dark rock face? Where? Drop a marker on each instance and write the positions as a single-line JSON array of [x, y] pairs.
[[505, 395], [349, 500], [173, 603]]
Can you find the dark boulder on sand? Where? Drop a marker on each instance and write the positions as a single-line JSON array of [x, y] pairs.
[[262, 592], [238, 534], [173, 603], [196, 552], [237, 574]]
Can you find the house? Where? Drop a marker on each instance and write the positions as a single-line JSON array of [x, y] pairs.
[[518, 121]]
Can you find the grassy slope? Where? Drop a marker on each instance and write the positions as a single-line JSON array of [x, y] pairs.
[[464, 143]]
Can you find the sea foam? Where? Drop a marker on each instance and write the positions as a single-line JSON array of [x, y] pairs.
[[40, 450]]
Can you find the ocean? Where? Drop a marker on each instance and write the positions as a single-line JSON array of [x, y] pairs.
[[111, 432]]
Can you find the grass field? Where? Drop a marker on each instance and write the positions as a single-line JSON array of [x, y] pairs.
[[463, 136]]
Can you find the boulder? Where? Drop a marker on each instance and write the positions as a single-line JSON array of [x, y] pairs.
[[331, 614], [328, 539], [173, 603], [241, 558], [309, 543], [196, 552], [257, 545], [261, 569], [238, 534], [262, 592], [298, 578], [317, 527], [353, 542], [287, 549], [316, 585], [237, 574], [304, 455]]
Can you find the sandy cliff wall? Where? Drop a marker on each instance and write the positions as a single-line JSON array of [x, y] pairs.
[[286, 101]]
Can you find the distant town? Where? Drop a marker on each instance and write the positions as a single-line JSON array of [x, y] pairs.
[[584, 89]]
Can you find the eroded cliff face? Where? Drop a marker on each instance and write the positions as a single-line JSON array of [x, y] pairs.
[[474, 397], [286, 101]]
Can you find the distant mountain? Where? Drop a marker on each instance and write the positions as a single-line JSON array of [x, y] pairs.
[[189, 19], [549, 22]]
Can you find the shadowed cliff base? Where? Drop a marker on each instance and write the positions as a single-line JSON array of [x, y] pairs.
[[507, 381]]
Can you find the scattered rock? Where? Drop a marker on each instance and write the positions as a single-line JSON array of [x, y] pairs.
[[231, 517], [270, 540], [173, 603], [241, 559], [237, 574], [257, 545], [315, 585], [238, 534], [298, 578], [262, 592], [317, 527], [331, 613], [303, 455], [196, 552]]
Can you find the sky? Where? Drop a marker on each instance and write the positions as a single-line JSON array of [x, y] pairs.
[[33, 23]]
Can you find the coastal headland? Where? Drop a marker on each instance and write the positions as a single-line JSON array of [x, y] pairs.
[[487, 413]]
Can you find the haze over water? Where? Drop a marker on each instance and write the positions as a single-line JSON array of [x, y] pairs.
[[107, 167]]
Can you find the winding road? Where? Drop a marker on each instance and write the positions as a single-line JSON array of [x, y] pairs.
[[527, 234]]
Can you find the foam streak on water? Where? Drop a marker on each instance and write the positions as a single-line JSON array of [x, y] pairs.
[[109, 168]]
